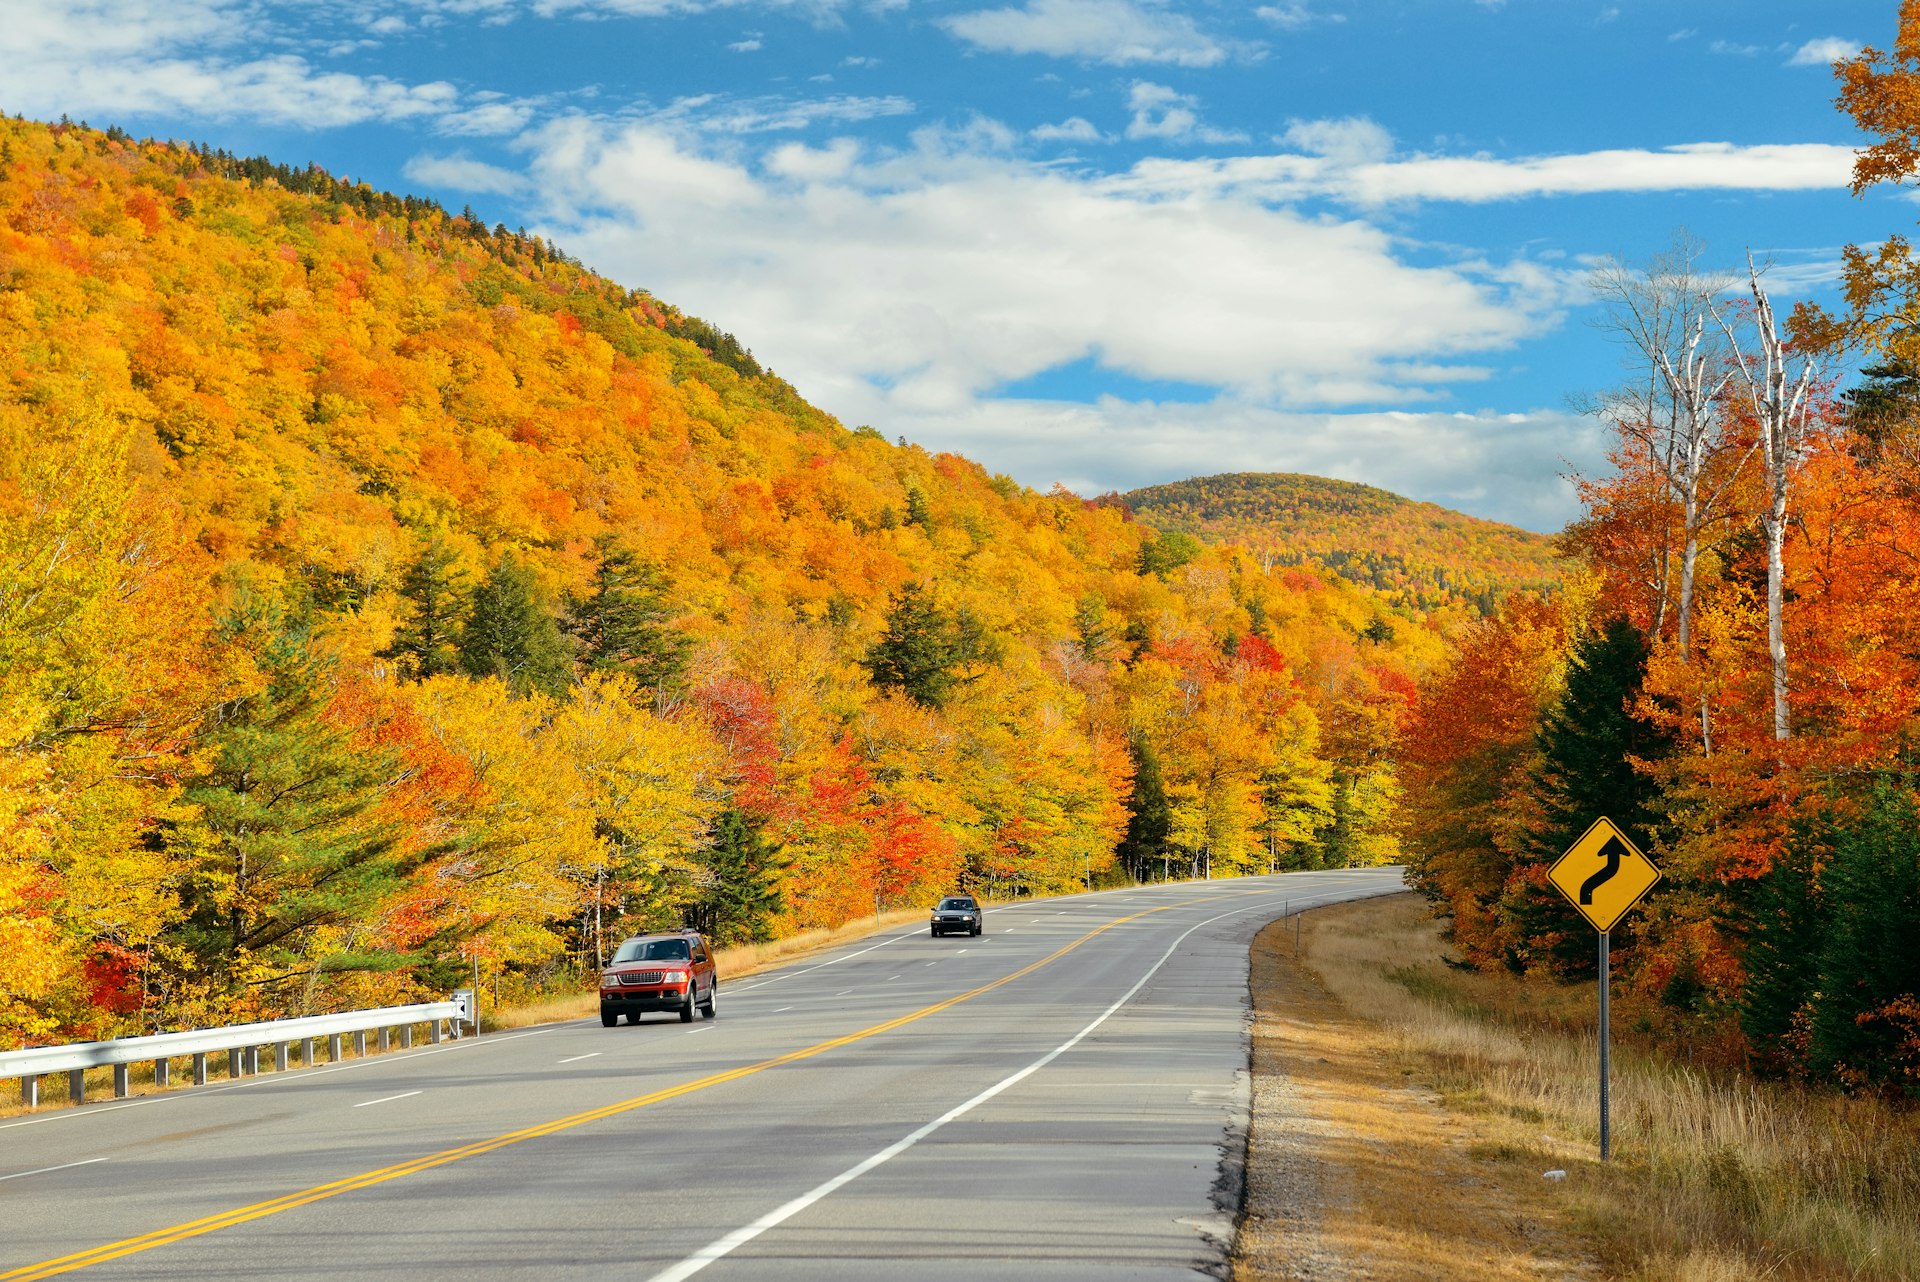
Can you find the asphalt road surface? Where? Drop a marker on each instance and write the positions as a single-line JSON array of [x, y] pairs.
[[1062, 1097]]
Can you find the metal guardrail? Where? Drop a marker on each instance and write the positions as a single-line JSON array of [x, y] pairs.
[[241, 1042]]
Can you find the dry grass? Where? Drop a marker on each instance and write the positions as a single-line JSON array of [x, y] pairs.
[[1714, 1176], [1355, 1170]]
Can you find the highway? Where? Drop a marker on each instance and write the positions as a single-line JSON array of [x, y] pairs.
[[1061, 1097]]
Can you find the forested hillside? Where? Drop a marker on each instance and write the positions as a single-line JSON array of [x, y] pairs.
[[379, 589], [1420, 557]]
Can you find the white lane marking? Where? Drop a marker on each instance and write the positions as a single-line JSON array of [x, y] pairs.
[[292, 1075], [843, 992], [936, 961], [889, 979], [779, 1215], [577, 1058], [64, 1166], [387, 1099], [782, 1008], [956, 955], [789, 974]]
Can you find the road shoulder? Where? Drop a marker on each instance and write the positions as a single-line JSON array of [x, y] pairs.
[[1356, 1170]]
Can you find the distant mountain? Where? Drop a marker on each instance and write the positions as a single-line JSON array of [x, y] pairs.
[[1419, 556]]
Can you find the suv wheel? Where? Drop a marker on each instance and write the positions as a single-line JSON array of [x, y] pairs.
[[686, 1012], [706, 1007], [608, 1018]]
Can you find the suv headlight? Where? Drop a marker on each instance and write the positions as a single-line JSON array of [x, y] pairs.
[[609, 980], [675, 977]]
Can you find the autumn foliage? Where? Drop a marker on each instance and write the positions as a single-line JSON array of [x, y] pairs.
[[379, 592]]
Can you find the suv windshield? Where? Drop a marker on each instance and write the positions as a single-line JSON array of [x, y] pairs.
[[956, 903], [653, 950]]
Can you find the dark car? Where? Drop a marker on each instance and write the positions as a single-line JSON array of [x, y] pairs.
[[957, 915], [672, 972]]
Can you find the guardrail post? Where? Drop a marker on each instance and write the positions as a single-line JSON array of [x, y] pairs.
[[30, 1091], [406, 1037], [200, 1069], [306, 1053], [383, 1040], [162, 1072], [433, 1032], [119, 1081], [77, 1086], [360, 1044], [333, 1049], [253, 1061], [235, 1063]]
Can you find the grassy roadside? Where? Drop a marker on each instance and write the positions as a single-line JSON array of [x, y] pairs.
[[1714, 1178]]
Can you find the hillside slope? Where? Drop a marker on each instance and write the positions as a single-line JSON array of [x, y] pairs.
[[1419, 556], [378, 590]]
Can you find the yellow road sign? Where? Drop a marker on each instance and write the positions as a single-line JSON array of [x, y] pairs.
[[1603, 875]]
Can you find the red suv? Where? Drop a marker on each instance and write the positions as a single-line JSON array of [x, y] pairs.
[[658, 972]]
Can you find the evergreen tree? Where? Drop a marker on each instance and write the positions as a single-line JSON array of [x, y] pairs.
[[1587, 744], [1149, 816], [740, 904], [621, 625], [1785, 925], [510, 635], [923, 648], [426, 644], [283, 838], [1871, 894]]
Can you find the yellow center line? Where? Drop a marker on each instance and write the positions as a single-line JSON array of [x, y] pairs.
[[320, 1192]]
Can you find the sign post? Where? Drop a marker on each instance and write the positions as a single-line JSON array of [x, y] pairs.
[[1603, 875]]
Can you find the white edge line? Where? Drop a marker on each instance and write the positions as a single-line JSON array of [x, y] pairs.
[[388, 1099], [577, 1058], [741, 1236], [64, 1166]]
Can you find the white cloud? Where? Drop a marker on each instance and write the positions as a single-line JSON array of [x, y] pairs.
[[1120, 32], [1706, 166], [1351, 140], [749, 45], [1072, 129], [196, 58], [1732, 49], [955, 271], [1687, 33], [1293, 15], [460, 173], [1823, 52], [1164, 113]]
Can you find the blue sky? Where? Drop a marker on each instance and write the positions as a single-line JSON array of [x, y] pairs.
[[1103, 242]]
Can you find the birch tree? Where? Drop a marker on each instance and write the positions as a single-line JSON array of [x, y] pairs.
[[1778, 385], [1669, 315]]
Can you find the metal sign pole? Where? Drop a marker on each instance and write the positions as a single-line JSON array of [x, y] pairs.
[[1606, 983]]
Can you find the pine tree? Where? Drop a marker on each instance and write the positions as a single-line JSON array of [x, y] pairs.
[[919, 651], [1871, 893], [1585, 747], [425, 645], [1785, 925], [621, 625], [1149, 816], [284, 838], [510, 635], [740, 904]]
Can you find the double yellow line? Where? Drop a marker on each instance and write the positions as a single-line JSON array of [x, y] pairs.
[[321, 1192]]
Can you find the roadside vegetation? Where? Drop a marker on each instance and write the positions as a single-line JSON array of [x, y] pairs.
[[1716, 1175]]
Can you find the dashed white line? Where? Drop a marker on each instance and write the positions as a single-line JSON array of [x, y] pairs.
[[64, 1166], [782, 1008], [385, 1100], [577, 1058], [936, 961], [843, 992]]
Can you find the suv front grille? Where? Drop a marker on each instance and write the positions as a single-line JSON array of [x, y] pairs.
[[642, 977]]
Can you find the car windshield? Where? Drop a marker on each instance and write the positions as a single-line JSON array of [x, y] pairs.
[[653, 950], [956, 903]]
